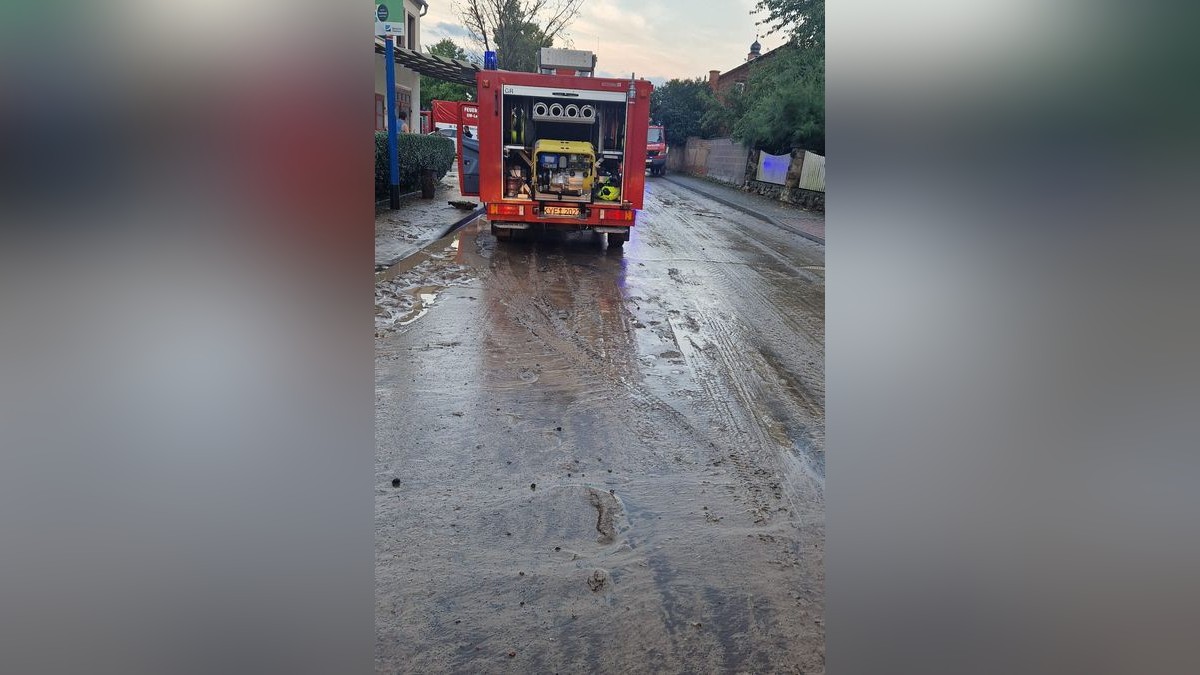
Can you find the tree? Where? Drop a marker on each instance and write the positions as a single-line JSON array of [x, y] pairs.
[[725, 113], [516, 29], [682, 106], [784, 103], [433, 88], [519, 43], [803, 21]]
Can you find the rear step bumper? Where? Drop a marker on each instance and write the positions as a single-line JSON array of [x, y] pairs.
[[525, 226]]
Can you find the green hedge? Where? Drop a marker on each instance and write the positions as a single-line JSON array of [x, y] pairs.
[[417, 152]]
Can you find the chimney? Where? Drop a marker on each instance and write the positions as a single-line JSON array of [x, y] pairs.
[[713, 77]]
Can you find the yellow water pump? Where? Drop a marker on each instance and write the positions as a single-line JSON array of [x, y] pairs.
[[565, 168]]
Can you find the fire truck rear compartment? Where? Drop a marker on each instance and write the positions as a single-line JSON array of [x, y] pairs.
[[534, 126]]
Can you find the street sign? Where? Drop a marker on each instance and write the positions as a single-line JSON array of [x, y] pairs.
[[383, 27]]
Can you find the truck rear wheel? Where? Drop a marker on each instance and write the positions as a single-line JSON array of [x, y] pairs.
[[617, 240], [501, 233]]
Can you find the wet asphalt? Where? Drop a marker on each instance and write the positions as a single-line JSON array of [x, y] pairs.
[[603, 460]]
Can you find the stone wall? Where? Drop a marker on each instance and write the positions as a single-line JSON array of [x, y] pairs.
[[769, 190], [806, 198], [727, 161], [721, 159], [675, 159]]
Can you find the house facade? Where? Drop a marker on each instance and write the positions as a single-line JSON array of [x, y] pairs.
[[736, 79], [408, 82]]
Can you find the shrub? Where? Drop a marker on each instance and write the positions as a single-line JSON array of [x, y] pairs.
[[417, 152]]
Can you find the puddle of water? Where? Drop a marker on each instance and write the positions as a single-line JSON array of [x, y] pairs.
[[407, 307], [424, 300], [441, 249], [408, 289]]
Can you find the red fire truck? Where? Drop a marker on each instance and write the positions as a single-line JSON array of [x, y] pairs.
[[444, 114], [559, 148]]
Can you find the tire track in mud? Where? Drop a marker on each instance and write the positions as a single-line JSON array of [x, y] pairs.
[[745, 233], [800, 384], [767, 388], [806, 325], [716, 243], [757, 458]]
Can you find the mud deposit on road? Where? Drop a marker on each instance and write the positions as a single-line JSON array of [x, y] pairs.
[[592, 460]]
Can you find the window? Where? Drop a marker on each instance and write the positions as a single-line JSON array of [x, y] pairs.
[[410, 32], [739, 87], [404, 102]]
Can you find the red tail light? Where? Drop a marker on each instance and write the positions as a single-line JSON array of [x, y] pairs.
[[624, 215], [506, 210]]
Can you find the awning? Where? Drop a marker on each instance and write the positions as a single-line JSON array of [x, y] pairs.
[[450, 70]]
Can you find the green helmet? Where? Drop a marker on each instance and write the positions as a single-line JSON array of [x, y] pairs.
[[610, 193]]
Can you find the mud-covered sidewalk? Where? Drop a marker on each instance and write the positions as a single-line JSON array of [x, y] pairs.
[[417, 222], [603, 460], [808, 224]]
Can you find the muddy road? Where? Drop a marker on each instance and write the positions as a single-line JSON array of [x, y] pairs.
[[603, 460]]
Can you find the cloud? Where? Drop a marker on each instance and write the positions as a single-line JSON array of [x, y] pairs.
[[662, 39], [665, 39], [655, 80], [451, 29]]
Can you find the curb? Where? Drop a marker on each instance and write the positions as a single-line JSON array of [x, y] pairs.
[[747, 210], [467, 219], [382, 269]]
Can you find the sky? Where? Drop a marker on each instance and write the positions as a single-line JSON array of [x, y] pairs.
[[654, 39]]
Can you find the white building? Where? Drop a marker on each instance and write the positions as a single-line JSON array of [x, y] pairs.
[[408, 82]]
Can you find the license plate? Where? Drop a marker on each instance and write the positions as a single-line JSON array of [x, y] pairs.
[[560, 211]]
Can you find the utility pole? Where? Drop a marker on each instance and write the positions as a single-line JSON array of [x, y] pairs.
[[393, 151], [389, 32]]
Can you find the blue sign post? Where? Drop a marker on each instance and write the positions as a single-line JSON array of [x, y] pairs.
[[393, 152]]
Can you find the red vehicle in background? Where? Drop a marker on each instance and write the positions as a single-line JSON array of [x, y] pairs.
[[557, 149], [445, 115], [443, 119], [656, 150]]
